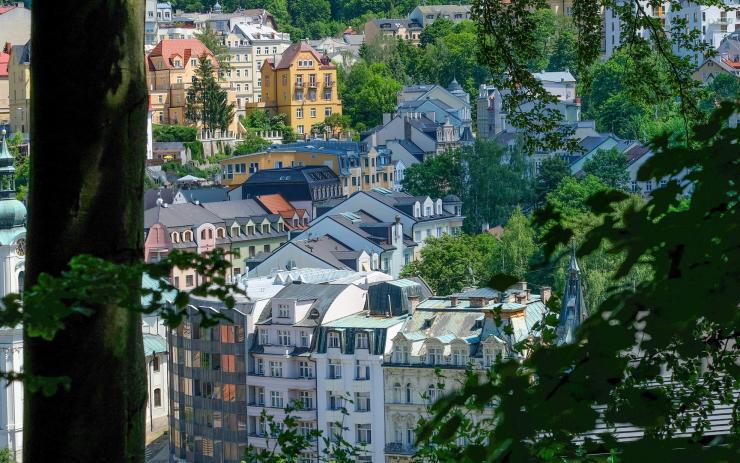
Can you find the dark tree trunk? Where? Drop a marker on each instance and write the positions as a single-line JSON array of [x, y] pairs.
[[88, 133]]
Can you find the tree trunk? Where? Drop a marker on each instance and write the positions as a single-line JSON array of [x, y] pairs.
[[89, 145]]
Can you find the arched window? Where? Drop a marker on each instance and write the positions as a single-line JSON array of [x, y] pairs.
[[409, 393], [397, 393], [187, 236], [155, 363], [203, 234], [210, 233], [175, 237], [21, 280], [431, 393], [158, 397], [220, 232]]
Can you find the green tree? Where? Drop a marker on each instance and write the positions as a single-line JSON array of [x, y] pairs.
[[517, 247], [552, 171], [311, 16], [569, 198], [250, 144], [213, 41], [21, 163], [726, 87], [497, 183], [333, 125], [369, 91], [565, 53], [6, 456], [207, 102], [437, 176], [609, 166], [438, 29], [451, 262]]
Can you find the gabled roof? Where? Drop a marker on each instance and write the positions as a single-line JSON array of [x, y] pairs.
[[180, 215], [291, 53], [636, 152], [151, 195], [230, 210], [323, 296], [4, 60], [184, 48]]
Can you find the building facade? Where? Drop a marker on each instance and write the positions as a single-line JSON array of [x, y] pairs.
[[19, 88], [302, 85]]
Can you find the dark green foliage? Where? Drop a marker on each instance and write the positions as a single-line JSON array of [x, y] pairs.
[[182, 133], [688, 319], [21, 163], [367, 92], [436, 30], [609, 166], [438, 176], [552, 171], [212, 40], [261, 120], [725, 87], [564, 53], [250, 144], [207, 102], [6, 456]]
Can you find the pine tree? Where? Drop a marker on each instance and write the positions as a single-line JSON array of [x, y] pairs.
[[207, 102]]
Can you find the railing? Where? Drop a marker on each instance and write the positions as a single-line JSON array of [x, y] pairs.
[[399, 449]]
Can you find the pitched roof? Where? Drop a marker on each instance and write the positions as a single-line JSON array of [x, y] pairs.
[[180, 215], [185, 48], [291, 53], [151, 195], [636, 152], [230, 210], [205, 195], [323, 296]]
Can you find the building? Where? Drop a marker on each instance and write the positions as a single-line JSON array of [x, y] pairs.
[[296, 219], [282, 370], [343, 51], [392, 29], [12, 271], [15, 24], [357, 166], [240, 227], [303, 183], [446, 104], [250, 44], [200, 195], [171, 67], [561, 7], [453, 334], [492, 112], [727, 60], [19, 88], [301, 85], [419, 216], [158, 17], [427, 14], [573, 309], [349, 355], [157, 406], [4, 85]]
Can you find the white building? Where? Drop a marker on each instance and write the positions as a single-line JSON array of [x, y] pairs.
[[282, 371], [157, 406], [349, 365], [451, 333], [13, 257]]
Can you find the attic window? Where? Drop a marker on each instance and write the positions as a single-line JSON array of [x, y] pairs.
[[313, 314], [427, 323]]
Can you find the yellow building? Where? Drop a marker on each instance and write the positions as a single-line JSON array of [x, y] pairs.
[[19, 87], [302, 85], [358, 169], [171, 67]]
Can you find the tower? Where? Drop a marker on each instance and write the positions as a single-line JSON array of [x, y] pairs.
[[573, 309], [12, 264]]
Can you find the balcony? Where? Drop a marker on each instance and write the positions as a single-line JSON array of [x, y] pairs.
[[329, 83], [396, 448]]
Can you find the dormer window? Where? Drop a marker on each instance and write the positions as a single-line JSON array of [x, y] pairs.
[[283, 311], [187, 236], [178, 63], [401, 354], [265, 228], [434, 356], [334, 339], [235, 231], [175, 237], [362, 341], [427, 211]]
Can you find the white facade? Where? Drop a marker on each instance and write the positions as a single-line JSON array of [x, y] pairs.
[[11, 395]]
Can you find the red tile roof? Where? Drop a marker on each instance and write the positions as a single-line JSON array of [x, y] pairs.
[[276, 204], [185, 48], [4, 60], [291, 53], [6, 8]]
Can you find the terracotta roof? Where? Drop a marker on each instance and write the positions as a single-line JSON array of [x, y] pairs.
[[6, 8], [276, 204], [185, 48], [290, 54], [4, 60]]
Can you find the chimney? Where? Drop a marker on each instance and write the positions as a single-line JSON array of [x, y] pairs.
[[520, 285], [454, 300], [414, 304], [478, 302], [545, 294]]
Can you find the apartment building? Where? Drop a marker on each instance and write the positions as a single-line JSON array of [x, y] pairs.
[[19, 88], [302, 84], [358, 166], [250, 44], [427, 14], [171, 67], [392, 29], [453, 334], [349, 357], [282, 371]]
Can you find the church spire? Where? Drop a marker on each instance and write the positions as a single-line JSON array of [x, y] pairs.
[[7, 170], [573, 309]]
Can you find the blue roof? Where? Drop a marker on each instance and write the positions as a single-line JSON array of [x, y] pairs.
[[154, 343]]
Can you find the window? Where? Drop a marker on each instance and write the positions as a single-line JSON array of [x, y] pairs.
[[188, 281], [299, 113], [335, 369], [397, 393], [301, 129], [276, 399], [401, 354], [335, 401], [283, 311], [259, 367], [263, 337], [306, 400], [266, 248], [312, 112], [459, 357], [361, 341], [276, 369], [284, 337], [254, 167], [157, 397], [305, 428], [304, 370], [155, 363], [431, 393], [304, 339], [364, 435], [362, 401], [327, 112], [362, 370], [409, 393], [417, 236], [327, 94], [334, 340]]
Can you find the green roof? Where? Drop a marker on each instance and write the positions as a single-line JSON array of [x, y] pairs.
[[154, 343], [361, 321], [150, 283]]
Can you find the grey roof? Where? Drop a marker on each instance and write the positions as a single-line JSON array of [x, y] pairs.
[[396, 24], [168, 146], [154, 343], [303, 174], [151, 195], [354, 39], [230, 210], [180, 215], [205, 195], [591, 143], [324, 248], [392, 297], [323, 296]]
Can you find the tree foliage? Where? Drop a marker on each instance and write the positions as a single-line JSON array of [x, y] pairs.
[[213, 41], [250, 144], [206, 102], [552, 171], [437, 176], [609, 166], [369, 91]]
